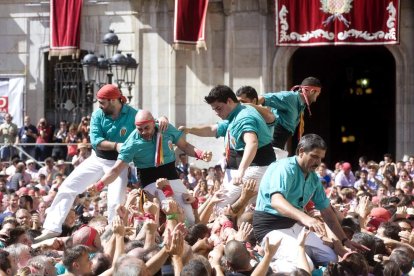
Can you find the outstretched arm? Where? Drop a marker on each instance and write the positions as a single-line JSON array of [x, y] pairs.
[[203, 131], [192, 151], [110, 176], [265, 112]]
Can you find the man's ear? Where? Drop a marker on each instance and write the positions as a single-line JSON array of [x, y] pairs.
[[75, 265]]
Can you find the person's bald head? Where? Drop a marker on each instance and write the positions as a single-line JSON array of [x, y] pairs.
[[142, 116], [145, 123], [237, 256], [88, 236]]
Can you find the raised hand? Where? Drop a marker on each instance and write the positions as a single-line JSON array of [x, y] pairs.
[[163, 123], [161, 183], [118, 226], [207, 155], [249, 188], [244, 232], [271, 249]]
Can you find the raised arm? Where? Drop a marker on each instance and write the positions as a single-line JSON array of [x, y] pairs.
[[192, 151], [203, 131], [110, 176]]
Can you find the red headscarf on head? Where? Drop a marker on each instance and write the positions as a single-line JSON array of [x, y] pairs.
[[110, 92]]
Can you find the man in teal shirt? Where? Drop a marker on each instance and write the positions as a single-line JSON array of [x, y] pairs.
[[153, 154], [287, 186], [110, 126], [247, 140], [288, 107]]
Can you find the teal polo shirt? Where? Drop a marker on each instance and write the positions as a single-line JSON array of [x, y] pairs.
[[286, 177], [142, 152], [103, 127], [244, 119], [288, 105]]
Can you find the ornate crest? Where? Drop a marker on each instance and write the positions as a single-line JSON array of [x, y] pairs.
[[170, 145], [336, 8], [123, 131]]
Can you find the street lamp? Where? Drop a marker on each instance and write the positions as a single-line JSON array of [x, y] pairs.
[[131, 73], [118, 64], [114, 64], [89, 64]]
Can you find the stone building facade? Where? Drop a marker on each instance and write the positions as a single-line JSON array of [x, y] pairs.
[[240, 51]]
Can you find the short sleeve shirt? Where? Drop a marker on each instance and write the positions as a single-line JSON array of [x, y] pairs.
[[285, 177], [103, 127], [288, 105], [241, 120], [142, 152]]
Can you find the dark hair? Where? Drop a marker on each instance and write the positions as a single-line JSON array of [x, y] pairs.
[[391, 230], [367, 240], [4, 261], [310, 142], [354, 264], [194, 267], [133, 244], [221, 93], [402, 259], [311, 81], [73, 254], [15, 234], [103, 263], [391, 268], [28, 199], [197, 231], [248, 91]]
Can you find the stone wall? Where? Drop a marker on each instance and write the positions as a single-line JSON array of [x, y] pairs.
[[240, 51]]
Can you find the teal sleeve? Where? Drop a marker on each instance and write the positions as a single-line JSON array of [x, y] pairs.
[[174, 132], [128, 149], [96, 134], [320, 199], [222, 128]]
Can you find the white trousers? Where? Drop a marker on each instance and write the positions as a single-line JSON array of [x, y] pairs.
[[232, 192], [280, 153], [89, 172], [285, 259], [179, 189]]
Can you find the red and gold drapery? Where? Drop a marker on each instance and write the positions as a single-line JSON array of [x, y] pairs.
[[65, 16], [337, 22]]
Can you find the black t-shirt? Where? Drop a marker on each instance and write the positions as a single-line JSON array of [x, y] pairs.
[[24, 138]]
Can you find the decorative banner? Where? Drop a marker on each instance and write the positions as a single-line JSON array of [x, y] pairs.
[[11, 99], [189, 24], [4, 104], [65, 18], [337, 22]]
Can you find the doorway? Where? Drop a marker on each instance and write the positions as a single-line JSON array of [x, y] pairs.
[[355, 112]]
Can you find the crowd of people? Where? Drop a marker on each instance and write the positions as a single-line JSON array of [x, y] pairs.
[[130, 208], [69, 137]]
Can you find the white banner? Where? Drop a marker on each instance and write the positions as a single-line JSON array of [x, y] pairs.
[[11, 99]]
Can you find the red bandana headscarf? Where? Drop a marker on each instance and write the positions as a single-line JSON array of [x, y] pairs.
[[110, 92]]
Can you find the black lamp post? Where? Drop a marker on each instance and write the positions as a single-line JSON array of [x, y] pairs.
[[114, 64], [131, 73], [89, 64]]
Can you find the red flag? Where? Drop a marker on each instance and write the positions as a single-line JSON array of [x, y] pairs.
[[65, 16], [159, 152], [189, 24]]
